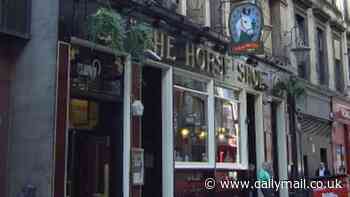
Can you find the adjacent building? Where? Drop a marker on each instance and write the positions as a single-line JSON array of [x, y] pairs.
[[321, 125]]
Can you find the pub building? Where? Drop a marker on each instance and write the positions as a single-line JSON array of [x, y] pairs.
[[204, 110], [92, 125], [202, 118]]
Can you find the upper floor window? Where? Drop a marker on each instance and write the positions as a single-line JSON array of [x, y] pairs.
[[338, 68], [346, 9], [301, 26], [339, 4], [15, 17], [219, 16], [198, 11], [321, 56]]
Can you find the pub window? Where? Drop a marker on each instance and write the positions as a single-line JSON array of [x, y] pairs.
[[227, 129], [190, 120], [320, 56]]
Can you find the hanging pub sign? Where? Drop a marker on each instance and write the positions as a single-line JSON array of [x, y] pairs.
[[245, 24]]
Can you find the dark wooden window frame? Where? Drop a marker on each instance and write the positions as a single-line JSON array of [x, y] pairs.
[[302, 12], [338, 80], [4, 14], [325, 81]]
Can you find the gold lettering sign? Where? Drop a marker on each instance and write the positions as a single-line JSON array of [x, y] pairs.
[[203, 59], [195, 56], [249, 75]]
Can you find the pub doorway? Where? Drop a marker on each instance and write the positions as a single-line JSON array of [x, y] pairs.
[[274, 129], [94, 149], [94, 165], [252, 160], [152, 131]]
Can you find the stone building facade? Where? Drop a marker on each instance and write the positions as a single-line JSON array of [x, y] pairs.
[[28, 33], [323, 26]]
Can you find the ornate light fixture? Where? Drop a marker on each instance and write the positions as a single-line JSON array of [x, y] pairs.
[[298, 46], [266, 32]]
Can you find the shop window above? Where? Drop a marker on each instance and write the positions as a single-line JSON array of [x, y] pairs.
[[190, 122]]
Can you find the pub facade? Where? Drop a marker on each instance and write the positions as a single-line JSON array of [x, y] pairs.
[[163, 124]]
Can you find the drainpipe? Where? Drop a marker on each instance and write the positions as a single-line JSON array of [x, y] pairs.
[[292, 127]]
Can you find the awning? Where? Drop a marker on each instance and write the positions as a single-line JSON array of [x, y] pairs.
[[315, 126]]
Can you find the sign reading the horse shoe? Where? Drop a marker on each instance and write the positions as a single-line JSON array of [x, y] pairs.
[[245, 24]]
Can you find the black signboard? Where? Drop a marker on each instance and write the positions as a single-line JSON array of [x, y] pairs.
[[96, 74]]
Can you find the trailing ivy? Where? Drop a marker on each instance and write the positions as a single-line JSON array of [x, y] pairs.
[[292, 87], [106, 27]]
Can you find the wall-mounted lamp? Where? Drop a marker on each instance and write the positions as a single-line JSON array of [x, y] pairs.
[[266, 32], [148, 53], [299, 48], [137, 108]]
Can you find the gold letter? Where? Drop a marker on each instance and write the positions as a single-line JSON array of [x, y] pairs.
[[169, 47], [200, 59], [158, 40], [189, 54]]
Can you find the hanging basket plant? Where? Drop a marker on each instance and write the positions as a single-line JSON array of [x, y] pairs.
[[138, 39], [106, 27], [292, 87], [109, 28]]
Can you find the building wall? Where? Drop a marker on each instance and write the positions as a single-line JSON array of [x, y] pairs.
[[5, 77], [311, 26], [32, 104], [311, 148]]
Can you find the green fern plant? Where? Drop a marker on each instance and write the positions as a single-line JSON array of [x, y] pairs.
[[292, 87], [106, 27], [109, 28]]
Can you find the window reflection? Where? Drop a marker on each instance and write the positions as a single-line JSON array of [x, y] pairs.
[[190, 126], [227, 129]]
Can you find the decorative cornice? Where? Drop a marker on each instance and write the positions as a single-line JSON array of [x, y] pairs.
[[322, 90], [329, 6], [275, 62], [337, 25], [304, 4], [321, 14]]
